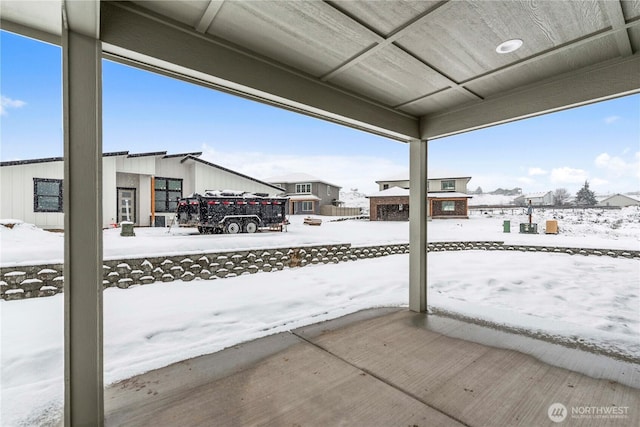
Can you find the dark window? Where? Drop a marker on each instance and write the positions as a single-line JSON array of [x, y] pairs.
[[448, 185], [385, 186], [167, 193], [47, 195]]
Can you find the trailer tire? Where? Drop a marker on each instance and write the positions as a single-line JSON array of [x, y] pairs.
[[232, 227], [200, 230], [250, 227]]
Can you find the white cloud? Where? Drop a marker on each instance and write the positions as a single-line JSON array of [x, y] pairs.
[[611, 119], [598, 182], [537, 171], [567, 175], [617, 166], [6, 103], [357, 171]]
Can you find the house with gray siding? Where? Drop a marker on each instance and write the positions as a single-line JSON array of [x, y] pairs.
[[620, 200], [307, 193], [141, 188]]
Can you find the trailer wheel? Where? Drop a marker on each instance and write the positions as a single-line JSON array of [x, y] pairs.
[[250, 227], [232, 227], [199, 229]]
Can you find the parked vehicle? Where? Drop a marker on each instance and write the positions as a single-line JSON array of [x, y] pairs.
[[232, 212]]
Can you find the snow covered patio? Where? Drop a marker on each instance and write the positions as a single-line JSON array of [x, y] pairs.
[[383, 367]]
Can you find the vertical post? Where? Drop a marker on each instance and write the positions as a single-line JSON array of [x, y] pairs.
[[153, 201], [82, 107], [418, 225]]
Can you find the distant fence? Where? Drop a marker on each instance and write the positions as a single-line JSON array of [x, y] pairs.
[[330, 210], [45, 280]]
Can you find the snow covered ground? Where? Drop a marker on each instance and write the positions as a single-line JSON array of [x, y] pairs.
[[595, 300]]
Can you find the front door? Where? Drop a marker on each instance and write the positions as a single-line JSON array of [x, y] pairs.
[[127, 204]]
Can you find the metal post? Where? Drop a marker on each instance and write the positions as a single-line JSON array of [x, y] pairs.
[[82, 106], [418, 225]]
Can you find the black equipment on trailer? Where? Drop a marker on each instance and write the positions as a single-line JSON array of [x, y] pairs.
[[232, 212]]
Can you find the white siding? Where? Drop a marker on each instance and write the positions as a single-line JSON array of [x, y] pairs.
[[619, 200], [17, 193], [109, 194], [211, 178]]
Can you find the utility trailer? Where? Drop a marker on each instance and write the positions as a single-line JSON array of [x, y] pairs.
[[232, 212]]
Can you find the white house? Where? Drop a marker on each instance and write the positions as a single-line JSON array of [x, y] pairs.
[[138, 187], [542, 198], [621, 200]]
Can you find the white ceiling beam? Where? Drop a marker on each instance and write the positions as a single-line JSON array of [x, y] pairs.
[[177, 50], [616, 78], [82, 17], [209, 15], [613, 9]]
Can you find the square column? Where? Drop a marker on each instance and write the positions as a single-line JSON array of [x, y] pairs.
[[82, 112], [418, 225]]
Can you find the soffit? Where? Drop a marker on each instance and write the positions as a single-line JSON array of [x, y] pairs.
[[402, 69]]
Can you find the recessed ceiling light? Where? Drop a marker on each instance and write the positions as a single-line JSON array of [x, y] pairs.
[[509, 46]]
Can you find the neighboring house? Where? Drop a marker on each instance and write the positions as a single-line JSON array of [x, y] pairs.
[[446, 198], [542, 198], [307, 194], [138, 187], [621, 200]]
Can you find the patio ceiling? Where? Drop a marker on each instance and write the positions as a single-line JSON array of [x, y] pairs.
[[402, 69]]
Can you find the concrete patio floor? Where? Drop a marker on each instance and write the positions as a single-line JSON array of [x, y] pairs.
[[383, 367]]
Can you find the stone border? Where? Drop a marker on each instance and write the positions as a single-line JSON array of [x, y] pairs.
[[45, 280]]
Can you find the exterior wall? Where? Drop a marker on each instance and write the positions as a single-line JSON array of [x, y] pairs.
[[17, 193], [297, 208], [375, 202], [433, 185], [327, 193], [109, 192], [389, 184], [460, 185], [460, 208], [210, 178], [619, 200]]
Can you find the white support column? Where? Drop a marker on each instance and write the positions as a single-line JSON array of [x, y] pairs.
[[82, 106], [418, 225]]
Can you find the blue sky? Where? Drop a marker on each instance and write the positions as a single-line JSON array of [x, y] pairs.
[[144, 112]]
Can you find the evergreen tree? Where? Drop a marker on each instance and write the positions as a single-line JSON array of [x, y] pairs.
[[585, 196]]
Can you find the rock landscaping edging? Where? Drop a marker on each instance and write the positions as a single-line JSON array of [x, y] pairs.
[[22, 282]]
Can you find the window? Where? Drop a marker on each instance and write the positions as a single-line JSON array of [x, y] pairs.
[[448, 206], [303, 188], [385, 186], [47, 195], [307, 206], [167, 191], [448, 185], [328, 190]]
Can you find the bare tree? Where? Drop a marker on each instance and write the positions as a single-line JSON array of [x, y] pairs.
[[561, 195]]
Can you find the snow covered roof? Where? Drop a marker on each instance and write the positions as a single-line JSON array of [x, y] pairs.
[[303, 197], [535, 195], [605, 198], [391, 192], [448, 195], [299, 177]]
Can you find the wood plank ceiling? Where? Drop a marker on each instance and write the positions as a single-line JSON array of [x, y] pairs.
[[412, 68]]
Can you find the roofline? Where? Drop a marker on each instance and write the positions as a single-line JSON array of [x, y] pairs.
[[110, 154], [196, 159], [194, 154], [305, 181], [428, 179], [155, 153], [31, 161]]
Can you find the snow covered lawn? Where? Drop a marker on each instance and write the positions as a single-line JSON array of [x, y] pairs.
[[592, 299]]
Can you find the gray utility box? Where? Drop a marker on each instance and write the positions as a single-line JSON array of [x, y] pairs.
[[529, 228]]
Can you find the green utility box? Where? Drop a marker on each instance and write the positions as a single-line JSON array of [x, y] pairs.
[[506, 226], [126, 229], [529, 228]]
